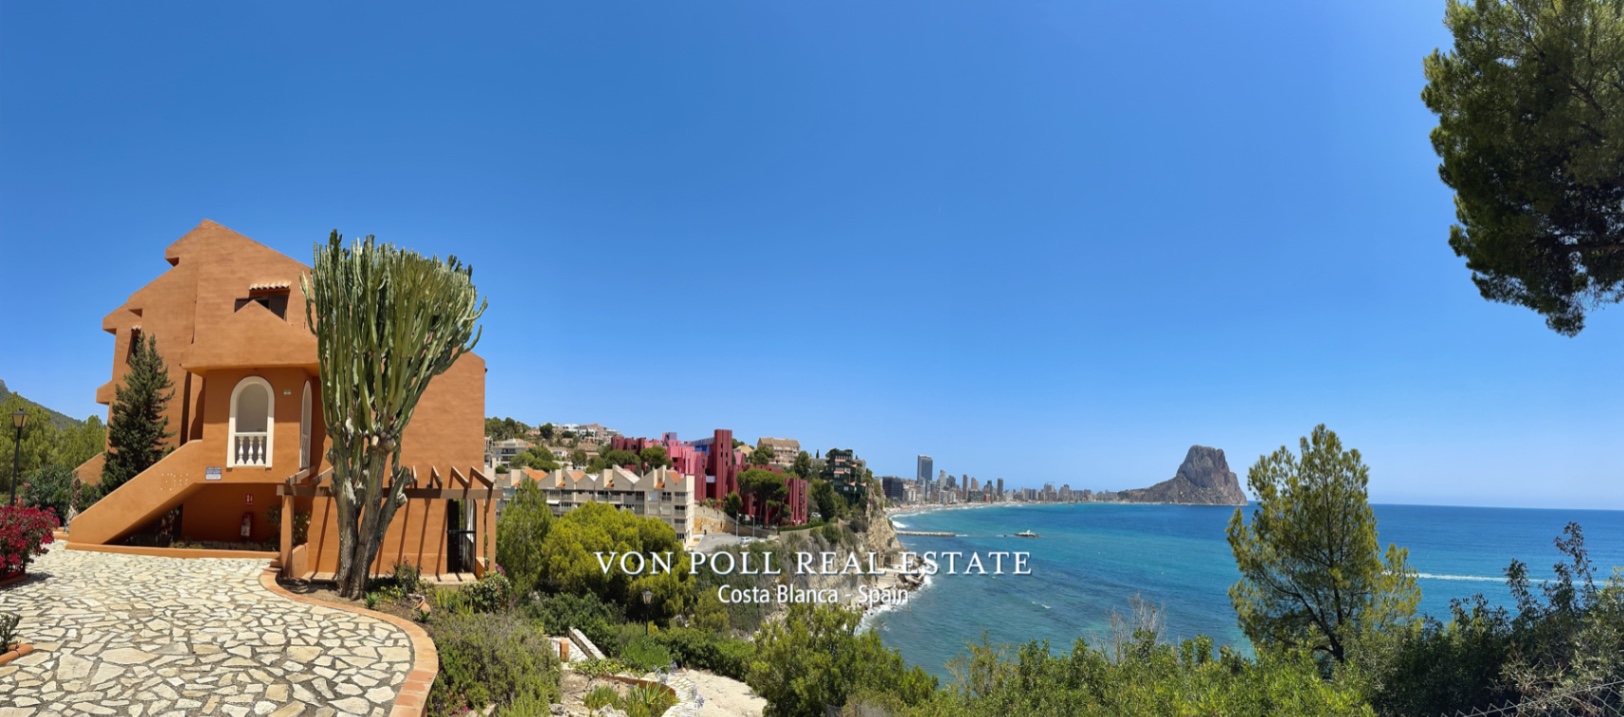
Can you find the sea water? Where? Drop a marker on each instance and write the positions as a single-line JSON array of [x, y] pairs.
[[1092, 559]]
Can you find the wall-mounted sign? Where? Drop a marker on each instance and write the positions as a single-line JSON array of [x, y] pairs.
[[211, 473], [248, 499]]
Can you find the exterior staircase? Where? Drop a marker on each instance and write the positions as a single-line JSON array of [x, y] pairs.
[[146, 497]]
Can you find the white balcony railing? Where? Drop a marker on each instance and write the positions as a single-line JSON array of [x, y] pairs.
[[250, 449]]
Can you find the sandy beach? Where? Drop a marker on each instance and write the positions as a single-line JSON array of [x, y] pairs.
[[907, 510]]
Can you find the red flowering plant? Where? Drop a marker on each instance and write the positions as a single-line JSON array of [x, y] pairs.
[[24, 533]]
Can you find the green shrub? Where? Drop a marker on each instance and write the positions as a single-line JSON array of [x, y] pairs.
[[490, 659], [600, 668], [408, 578], [646, 701], [601, 696], [815, 659], [528, 704], [8, 630], [1566, 636], [491, 593], [699, 649], [644, 654], [556, 614], [623, 635], [49, 487], [1144, 678], [743, 616], [452, 601], [710, 614], [831, 533]]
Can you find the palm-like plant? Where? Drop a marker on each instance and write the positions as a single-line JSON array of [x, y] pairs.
[[386, 321]]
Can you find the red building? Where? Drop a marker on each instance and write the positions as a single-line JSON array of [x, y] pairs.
[[719, 463]]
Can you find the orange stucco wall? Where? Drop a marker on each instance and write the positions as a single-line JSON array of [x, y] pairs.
[[214, 512], [211, 267], [417, 537], [211, 340]]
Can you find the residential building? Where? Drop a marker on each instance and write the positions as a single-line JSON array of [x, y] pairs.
[[502, 452], [249, 433], [784, 450], [845, 473], [660, 493], [896, 489], [926, 464], [587, 433]]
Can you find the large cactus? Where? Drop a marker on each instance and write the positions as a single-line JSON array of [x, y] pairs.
[[386, 321]]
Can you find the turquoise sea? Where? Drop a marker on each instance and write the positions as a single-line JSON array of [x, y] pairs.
[[1091, 559]]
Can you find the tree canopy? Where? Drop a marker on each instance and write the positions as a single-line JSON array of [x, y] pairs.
[[45, 442], [539, 458], [802, 465], [501, 429], [655, 457], [607, 459], [1530, 105], [762, 456], [520, 534], [830, 505], [1312, 572], [816, 658], [570, 564]]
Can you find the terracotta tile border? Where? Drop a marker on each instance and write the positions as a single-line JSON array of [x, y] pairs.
[[414, 692], [23, 648], [155, 552]]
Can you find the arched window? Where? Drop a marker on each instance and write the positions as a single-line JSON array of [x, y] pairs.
[[253, 411]]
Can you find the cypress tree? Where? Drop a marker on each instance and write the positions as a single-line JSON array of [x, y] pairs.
[[137, 429]]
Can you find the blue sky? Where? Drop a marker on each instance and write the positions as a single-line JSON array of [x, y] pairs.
[[1043, 241]]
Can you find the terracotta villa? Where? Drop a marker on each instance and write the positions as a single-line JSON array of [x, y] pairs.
[[249, 440]]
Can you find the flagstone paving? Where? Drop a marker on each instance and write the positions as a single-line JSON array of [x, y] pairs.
[[165, 637]]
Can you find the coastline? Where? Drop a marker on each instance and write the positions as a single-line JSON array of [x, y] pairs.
[[912, 583], [905, 511]]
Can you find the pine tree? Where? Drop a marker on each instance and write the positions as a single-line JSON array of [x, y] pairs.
[[137, 430], [1313, 574]]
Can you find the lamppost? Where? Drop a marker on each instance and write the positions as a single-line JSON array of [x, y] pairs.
[[17, 420], [648, 597]]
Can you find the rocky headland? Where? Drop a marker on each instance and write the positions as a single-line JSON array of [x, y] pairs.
[[1203, 479]]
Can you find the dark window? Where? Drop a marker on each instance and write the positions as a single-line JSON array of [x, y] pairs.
[[277, 303]]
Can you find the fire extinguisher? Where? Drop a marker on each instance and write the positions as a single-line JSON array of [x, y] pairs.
[[247, 525]]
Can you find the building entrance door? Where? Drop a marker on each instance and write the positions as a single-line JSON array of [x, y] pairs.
[[459, 540]]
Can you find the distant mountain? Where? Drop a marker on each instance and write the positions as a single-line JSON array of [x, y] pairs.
[[57, 419], [1203, 479]]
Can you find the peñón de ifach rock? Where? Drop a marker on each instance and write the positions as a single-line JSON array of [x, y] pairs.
[[1203, 479]]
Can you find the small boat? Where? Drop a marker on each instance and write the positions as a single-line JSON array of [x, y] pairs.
[[1026, 534]]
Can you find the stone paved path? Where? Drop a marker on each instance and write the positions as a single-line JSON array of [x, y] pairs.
[[165, 637]]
